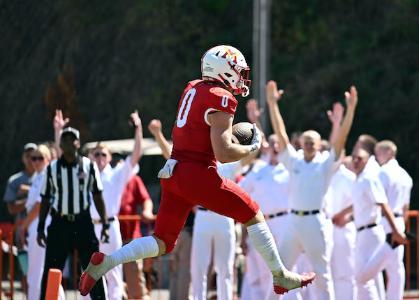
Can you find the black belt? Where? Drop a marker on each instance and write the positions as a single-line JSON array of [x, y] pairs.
[[70, 217], [111, 219], [271, 216], [305, 212], [366, 227], [202, 208]]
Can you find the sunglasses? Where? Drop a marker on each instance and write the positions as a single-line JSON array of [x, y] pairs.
[[97, 154], [37, 158]]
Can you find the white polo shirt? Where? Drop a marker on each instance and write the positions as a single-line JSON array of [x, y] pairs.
[[269, 187], [407, 186], [372, 166], [394, 181], [114, 181], [367, 194], [339, 193], [308, 180]]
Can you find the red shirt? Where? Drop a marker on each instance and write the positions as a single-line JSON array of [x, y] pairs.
[[191, 132], [134, 195]]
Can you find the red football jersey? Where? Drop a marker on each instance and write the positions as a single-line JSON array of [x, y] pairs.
[[191, 131]]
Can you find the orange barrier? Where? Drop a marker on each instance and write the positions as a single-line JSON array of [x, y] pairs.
[[413, 222], [53, 284]]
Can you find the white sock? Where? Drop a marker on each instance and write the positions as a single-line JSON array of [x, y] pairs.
[[261, 238], [137, 249]]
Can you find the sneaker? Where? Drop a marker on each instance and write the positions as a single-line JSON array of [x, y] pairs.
[[286, 281], [92, 273]]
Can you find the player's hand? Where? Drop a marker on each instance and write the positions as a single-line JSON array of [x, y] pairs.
[[398, 237], [59, 122], [104, 234], [147, 216], [273, 95], [41, 239], [155, 127], [253, 111], [340, 220], [256, 140], [134, 120], [351, 98], [336, 114]]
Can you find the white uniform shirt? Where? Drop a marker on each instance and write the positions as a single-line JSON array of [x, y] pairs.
[[34, 194], [114, 182], [367, 193], [372, 166], [308, 180], [339, 194], [269, 187], [407, 186], [393, 179]]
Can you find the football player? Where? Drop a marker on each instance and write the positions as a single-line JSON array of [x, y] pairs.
[[201, 135]]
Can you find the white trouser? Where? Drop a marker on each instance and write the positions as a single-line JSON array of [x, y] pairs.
[[343, 261], [212, 231], [114, 279], [368, 241], [36, 258], [391, 260], [313, 235]]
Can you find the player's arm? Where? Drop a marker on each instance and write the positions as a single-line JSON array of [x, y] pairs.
[[335, 117], [396, 234], [155, 128], [273, 96], [351, 98], [343, 217], [138, 138], [221, 132], [43, 213]]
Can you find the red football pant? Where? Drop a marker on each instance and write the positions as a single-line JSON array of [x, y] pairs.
[[198, 184]]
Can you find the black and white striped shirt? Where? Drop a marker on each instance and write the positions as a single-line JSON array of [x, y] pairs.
[[70, 186]]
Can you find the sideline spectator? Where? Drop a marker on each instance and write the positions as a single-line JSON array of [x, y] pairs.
[[18, 184], [135, 196], [40, 158]]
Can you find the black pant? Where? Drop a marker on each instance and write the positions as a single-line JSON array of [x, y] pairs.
[[63, 237]]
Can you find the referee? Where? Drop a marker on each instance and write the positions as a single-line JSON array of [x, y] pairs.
[[66, 194]]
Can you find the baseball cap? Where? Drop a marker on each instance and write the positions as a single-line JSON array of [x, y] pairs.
[[29, 146], [71, 130]]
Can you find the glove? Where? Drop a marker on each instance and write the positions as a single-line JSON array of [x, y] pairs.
[[167, 170], [256, 140]]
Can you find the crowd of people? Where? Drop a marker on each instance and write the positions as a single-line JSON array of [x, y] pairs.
[[341, 216]]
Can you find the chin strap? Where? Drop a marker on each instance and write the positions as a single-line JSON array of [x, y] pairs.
[[245, 91]]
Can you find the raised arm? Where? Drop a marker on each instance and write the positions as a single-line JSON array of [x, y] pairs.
[[59, 123], [138, 138], [351, 98], [155, 128], [224, 149], [335, 117], [253, 112], [273, 96]]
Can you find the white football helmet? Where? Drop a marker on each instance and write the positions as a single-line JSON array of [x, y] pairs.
[[228, 65]]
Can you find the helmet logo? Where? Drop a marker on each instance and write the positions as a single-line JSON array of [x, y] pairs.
[[231, 55]]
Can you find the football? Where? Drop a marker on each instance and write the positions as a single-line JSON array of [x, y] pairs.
[[243, 133]]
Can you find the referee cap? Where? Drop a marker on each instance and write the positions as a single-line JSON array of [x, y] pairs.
[[71, 130]]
